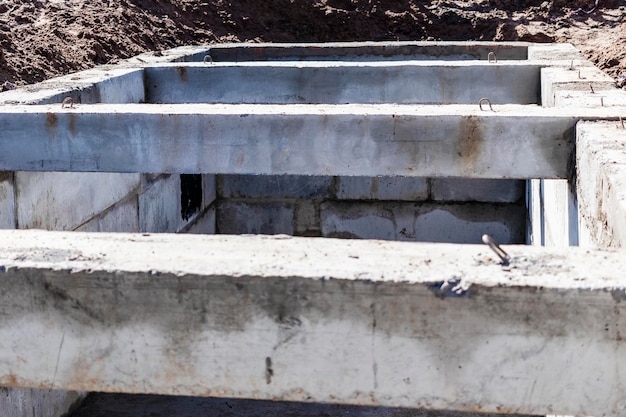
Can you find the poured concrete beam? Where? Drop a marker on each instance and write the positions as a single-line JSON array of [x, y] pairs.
[[361, 51], [401, 82], [353, 140], [601, 183], [321, 320]]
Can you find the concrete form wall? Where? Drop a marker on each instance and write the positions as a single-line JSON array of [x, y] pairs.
[[553, 204], [92, 201], [391, 208], [104, 202], [419, 209]]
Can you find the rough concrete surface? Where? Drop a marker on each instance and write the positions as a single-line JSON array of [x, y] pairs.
[[601, 169], [513, 141], [304, 319], [333, 82]]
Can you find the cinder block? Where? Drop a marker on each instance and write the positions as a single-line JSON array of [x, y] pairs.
[[64, 201], [454, 223], [382, 188], [584, 78], [236, 217], [282, 186], [470, 189], [159, 206], [7, 201]]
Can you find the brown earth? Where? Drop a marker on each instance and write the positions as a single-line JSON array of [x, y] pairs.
[[41, 39]]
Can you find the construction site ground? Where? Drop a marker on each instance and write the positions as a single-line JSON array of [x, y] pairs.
[[42, 39]]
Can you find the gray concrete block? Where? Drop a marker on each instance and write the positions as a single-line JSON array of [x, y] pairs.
[[236, 217], [351, 140], [26, 402], [601, 184], [382, 188], [7, 201], [342, 82], [282, 186], [159, 206], [64, 201], [469, 189], [453, 223], [304, 319], [585, 78]]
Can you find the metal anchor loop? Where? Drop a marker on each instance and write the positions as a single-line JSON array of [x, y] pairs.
[[489, 241], [480, 103]]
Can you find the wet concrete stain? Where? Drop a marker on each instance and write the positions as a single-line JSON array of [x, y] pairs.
[[269, 371]]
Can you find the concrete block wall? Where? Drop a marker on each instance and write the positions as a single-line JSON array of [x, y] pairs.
[[103, 202], [93, 202], [391, 208], [16, 402], [601, 183], [552, 203]]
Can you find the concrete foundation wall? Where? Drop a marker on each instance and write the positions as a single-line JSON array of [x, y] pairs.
[[24, 402], [601, 173], [103, 202], [91, 201], [391, 208]]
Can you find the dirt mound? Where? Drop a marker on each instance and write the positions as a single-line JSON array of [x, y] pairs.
[[41, 39]]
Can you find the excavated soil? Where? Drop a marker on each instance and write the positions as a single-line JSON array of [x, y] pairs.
[[42, 39]]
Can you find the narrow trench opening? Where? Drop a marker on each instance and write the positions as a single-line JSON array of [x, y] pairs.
[[190, 195]]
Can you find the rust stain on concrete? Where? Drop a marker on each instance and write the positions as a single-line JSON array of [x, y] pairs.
[[182, 73], [52, 121], [470, 144]]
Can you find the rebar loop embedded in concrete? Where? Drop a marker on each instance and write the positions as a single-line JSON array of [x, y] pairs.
[[491, 57], [480, 103], [489, 241], [67, 102]]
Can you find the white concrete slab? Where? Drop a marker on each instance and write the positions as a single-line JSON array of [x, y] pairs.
[[512, 141], [318, 320]]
